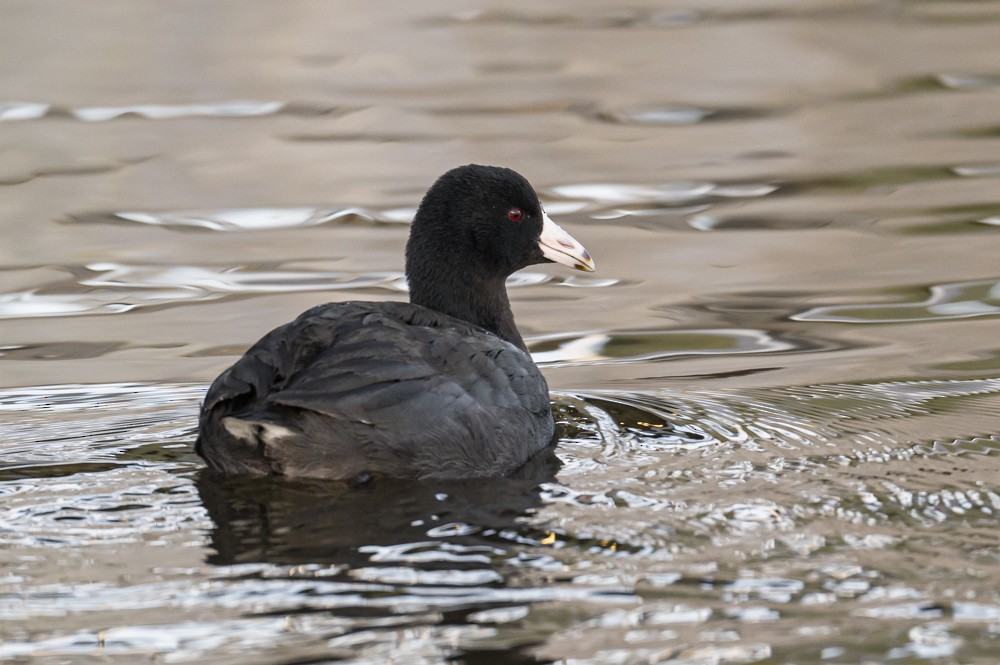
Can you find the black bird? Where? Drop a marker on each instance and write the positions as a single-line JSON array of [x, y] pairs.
[[440, 387]]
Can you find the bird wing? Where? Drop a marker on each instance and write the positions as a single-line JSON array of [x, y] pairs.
[[411, 387]]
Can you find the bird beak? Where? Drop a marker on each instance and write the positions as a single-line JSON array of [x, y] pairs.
[[560, 247]]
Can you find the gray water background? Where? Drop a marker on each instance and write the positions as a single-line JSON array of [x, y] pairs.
[[780, 391]]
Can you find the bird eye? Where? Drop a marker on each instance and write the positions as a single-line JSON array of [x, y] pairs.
[[515, 214]]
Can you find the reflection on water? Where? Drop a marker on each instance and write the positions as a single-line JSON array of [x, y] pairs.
[[600, 201], [779, 397], [947, 301], [649, 346], [678, 115], [619, 531], [12, 110], [965, 81], [388, 522], [110, 288], [22, 111], [249, 219], [167, 111], [229, 220]]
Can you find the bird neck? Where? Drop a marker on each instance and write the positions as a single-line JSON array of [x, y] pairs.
[[475, 298]]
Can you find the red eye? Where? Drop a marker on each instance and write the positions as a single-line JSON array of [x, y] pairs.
[[515, 214]]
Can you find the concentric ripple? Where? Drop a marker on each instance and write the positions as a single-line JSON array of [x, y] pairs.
[[670, 516]]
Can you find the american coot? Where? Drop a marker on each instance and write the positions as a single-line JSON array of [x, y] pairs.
[[441, 387]]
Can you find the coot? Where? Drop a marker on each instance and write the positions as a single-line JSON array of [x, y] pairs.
[[440, 387]]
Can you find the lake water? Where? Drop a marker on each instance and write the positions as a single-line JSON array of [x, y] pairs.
[[780, 391]]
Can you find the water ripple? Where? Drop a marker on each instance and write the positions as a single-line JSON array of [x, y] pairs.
[[783, 440], [747, 506], [225, 109], [617, 18], [663, 193], [748, 223], [968, 81], [651, 205], [600, 201], [22, 110], [631, 18], [958, 300], [169, 111], [248, 219], [676, 114], [80, 509], [986, 170], [115, 288], [596, 348]]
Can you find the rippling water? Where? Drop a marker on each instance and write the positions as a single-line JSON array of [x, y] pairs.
[[779, 395]]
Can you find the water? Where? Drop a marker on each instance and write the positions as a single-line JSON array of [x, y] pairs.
[[780, 393]]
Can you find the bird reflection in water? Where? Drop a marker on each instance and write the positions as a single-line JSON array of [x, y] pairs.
[[280, 521]]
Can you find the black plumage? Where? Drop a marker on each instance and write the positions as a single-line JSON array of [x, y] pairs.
[[441, 387]]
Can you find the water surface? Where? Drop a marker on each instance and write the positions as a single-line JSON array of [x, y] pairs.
[[780, 393]]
